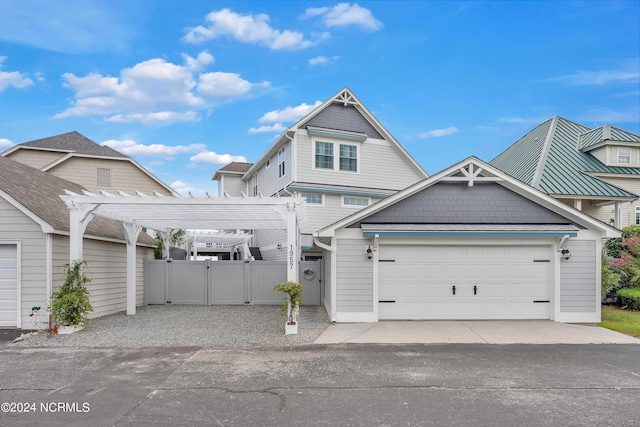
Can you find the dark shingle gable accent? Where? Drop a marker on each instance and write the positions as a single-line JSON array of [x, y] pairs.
[[343, 117]]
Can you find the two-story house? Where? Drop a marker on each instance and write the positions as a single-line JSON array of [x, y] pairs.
[[339, 158], [35, 225], [594, 170]]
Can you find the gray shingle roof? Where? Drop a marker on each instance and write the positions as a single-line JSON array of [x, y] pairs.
[[236, 167], [73, 142], [38, 192], [548, 158]]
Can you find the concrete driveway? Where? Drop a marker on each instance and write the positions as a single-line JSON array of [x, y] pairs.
[[471, 332]]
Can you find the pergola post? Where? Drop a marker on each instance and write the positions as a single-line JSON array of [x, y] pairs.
[[131, 231], [79, 218], [293, 252]]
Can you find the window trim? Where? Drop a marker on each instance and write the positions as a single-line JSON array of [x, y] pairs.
[[637, 221], [344, 205], [303, 195], [627, 156], [336, 155], [282, 164]]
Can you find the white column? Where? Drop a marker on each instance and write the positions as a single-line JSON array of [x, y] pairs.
[[131, 231], [78, 220], [293, 251], [577, 203], [618, 210]]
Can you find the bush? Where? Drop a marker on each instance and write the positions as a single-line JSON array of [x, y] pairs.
[[292, 301], [630, 298], [70, 304], [610, 283]]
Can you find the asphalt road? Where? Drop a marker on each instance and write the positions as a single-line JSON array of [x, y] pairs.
[[457, 384]]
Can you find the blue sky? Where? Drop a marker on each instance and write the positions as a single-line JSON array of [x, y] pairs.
[[185, 87]]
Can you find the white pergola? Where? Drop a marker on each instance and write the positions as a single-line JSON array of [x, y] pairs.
[[166, 213], [227, 240]]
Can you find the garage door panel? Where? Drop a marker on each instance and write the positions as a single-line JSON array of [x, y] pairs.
[[8, 285], [507, 282]]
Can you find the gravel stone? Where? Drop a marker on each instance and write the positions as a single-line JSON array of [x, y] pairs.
[[191, 325]]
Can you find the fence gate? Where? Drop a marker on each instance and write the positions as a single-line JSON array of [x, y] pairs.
[[225, 282]]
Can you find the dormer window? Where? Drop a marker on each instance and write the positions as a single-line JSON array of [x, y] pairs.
[[335, 156], [624, 155]]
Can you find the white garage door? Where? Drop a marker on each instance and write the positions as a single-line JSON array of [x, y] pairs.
[[464, 282], [8, 285]]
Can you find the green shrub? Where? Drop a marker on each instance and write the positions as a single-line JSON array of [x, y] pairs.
[[70, 304], [610, 281], [614, 248], [294, 296], [630, 298]]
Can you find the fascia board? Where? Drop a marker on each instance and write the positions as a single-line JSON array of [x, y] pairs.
[[45, 226]]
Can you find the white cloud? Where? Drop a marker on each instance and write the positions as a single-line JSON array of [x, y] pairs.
[[254, 29], [288, 114], [132, 148], [150, 90], [161, 117], [322, 60], [600, 78], [4, 142], [222, 86], [12, 78], [186, 188], [278, 127], [436, 133], [344, 14], [213, 158]]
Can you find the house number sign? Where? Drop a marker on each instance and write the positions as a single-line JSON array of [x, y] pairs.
[[291, 258]]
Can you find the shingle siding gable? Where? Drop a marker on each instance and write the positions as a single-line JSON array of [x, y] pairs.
[[345, 118]]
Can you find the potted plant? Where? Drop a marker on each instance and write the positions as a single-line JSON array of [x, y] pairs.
[[70, 304], [291, 306]]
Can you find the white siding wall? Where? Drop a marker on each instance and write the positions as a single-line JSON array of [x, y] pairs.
[[107, 267], [35, 158], [326, 278], [354, 287], [613, 157], [269, 181], [600, 154], [14, 225], [578, 282], [125, 176], [233, 185], [266, 241], [627, 215], [318, 217], [380, 165]]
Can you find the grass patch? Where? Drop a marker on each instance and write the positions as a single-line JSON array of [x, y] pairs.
[[625, 321]]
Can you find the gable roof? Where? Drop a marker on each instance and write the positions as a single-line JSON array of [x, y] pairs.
[[343, 97], [77, 145], [70, 142], [549, 159], [232, 168], [606, 134], [470, 170], [36, 194]]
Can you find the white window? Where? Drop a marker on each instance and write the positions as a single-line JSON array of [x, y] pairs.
[[348, 158], [313, 198], [637, 215], [281, 168], [352, 201], [624, 155], [326, 153], [104, 177]]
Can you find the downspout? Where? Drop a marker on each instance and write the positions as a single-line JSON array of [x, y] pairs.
[[332, 250], [48, 269]]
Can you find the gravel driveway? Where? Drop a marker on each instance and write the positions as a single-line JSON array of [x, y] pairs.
[[190, 325]]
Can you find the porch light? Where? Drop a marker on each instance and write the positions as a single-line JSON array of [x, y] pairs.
[[369, 252], [566, 254]]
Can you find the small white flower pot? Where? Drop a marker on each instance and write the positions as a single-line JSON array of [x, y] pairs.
[[65, 330], [290, 329]]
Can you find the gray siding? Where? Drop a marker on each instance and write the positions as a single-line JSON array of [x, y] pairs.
[[341, 117], [318, 217], [381, 166], [269, 179], [326, 256], [233, 185], [107, 267], [455, 203], [265, 238], [354, 277], [578, 282], [35, 158], [14, 225]]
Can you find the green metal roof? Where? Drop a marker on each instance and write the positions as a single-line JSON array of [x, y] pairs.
[[549, 158]]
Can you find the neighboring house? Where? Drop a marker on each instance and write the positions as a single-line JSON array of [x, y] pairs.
[[339, 158], [34, 247], [470, 242], [594, 170], [76, 158]]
